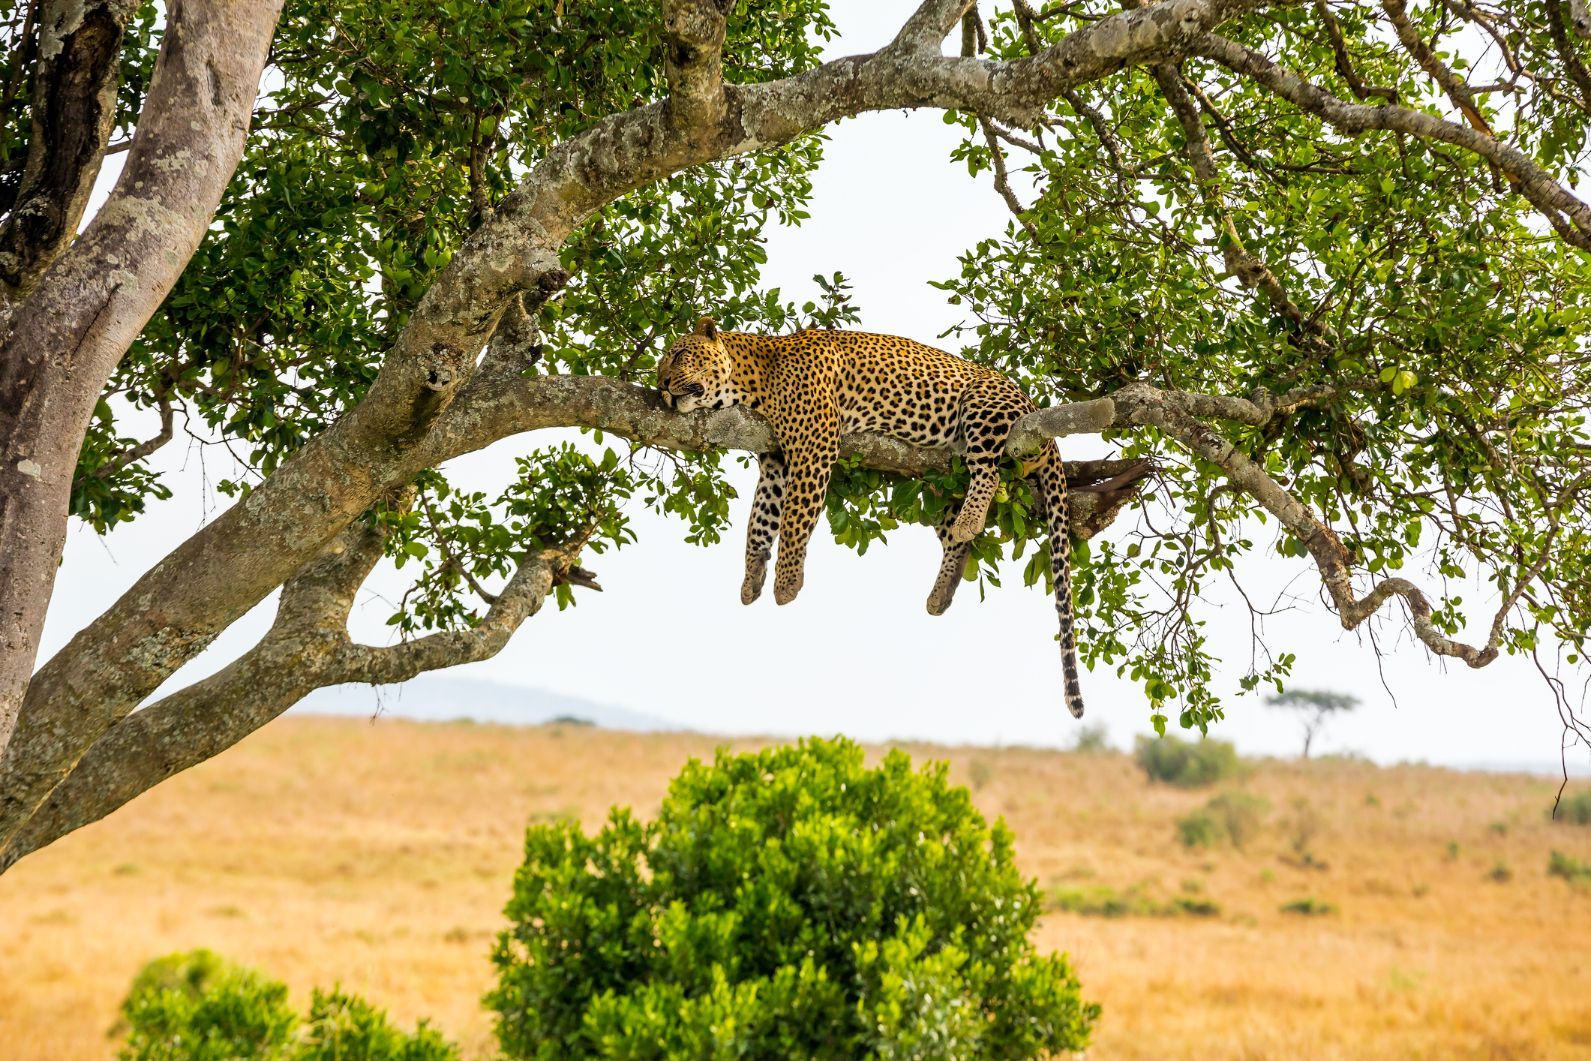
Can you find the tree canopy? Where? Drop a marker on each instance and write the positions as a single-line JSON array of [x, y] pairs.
[[1326, 261]]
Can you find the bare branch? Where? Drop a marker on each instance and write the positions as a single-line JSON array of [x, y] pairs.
[[138, 452], [1002, 179], [1168, 411]]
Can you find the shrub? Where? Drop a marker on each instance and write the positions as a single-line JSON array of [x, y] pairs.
[[1308, 907], [1570, 869], [1092, 739], [1303, 825], [1575, 809], [1105, 901], [787, 903], [1500, 873], [199, 1007], [1230, 818], [1199, 829], [1187, 764]]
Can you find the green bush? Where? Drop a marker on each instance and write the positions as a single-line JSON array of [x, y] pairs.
[[1092, 739], [199, 1007], [790, 903], [1230, 818], [1308, 907], [1569, 868], [1187, 764], [1575, 809]]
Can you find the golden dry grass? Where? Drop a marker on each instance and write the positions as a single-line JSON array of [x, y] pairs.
[[378, 856]]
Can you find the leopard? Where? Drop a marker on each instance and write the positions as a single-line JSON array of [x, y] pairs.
[[813, 385]]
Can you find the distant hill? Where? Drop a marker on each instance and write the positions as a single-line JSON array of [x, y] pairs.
[[437, 697]]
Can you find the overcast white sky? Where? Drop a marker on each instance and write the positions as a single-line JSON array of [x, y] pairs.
[[857, 653]]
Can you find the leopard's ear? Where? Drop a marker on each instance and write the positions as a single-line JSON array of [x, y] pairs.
[[707, 328]]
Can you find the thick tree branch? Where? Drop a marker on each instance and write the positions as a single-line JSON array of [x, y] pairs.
[[307, 648], [929, 25], [693, 64], [79, 319], [202, 720]]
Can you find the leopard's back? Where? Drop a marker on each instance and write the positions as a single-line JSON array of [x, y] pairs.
[[901, 387]]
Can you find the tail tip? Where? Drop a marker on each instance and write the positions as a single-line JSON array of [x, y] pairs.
[[1074, 704]]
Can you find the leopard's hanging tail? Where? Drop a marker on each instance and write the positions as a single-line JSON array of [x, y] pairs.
[[1049, 479]]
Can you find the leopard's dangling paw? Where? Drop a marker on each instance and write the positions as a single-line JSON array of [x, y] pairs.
[[786, 586], [756, 575]]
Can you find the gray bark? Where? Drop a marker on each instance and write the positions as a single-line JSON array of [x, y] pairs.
[[75, 323]]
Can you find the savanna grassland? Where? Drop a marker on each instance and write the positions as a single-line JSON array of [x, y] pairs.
[[378, 856]]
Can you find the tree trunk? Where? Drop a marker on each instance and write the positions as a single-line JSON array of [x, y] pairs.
[[69, 332]]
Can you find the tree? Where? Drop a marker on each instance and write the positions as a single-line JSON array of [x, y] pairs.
[[1320, 264], [1316, 706]]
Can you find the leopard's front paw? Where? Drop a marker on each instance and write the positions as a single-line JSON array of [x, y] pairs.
[[967, 527]]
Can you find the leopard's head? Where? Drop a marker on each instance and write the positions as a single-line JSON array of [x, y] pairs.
[[694, 374]]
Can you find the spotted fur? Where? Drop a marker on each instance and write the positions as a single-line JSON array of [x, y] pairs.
[[815, 384]]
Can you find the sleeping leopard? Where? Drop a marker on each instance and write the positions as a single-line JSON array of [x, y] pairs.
[[815, 384]]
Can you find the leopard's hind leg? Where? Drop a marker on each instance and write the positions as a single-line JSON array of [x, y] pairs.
[[951, 567], [763, 526], [989, 409]]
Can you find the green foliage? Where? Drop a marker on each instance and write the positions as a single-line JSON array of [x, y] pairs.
[[1570, 869], [1500, 873], [199, 1007], [1308, 907], [1230, 818], [1575, 809], [1187, 764], [788, 903], [1439, 297]]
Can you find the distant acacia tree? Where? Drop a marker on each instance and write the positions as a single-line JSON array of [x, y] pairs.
[[1324, 263], [1315, 707]]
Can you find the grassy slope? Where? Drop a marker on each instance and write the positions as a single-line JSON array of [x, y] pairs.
[[379, 856]]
